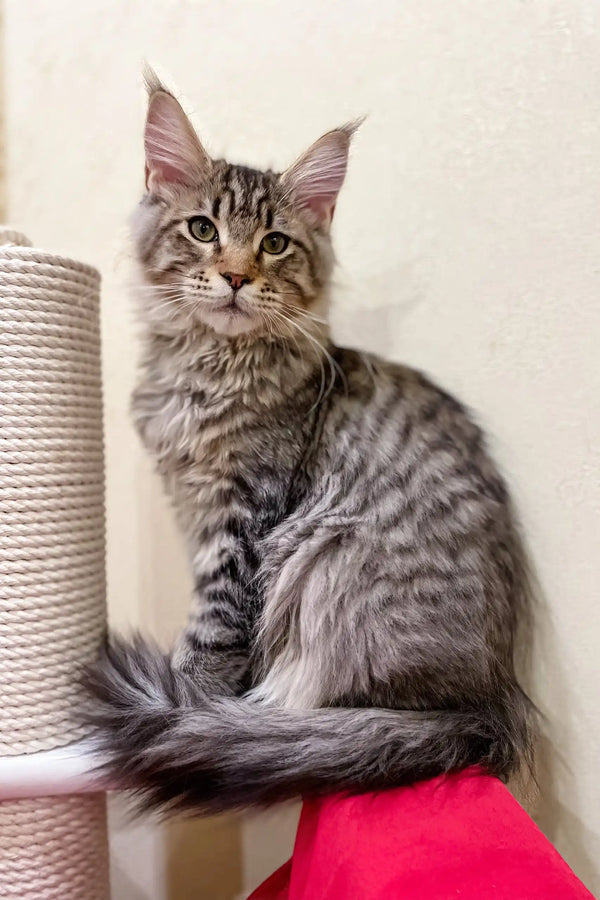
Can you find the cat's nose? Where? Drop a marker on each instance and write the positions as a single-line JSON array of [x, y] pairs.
[[236, 281]]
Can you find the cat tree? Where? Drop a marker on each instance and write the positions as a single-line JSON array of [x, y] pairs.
[[53, 838]]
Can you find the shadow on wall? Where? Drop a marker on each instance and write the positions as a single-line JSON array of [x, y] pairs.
[[126, 889], [361, 318], [565, 830], [378, 328], [204, 859]]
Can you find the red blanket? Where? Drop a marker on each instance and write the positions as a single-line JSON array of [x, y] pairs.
[[462, 836]]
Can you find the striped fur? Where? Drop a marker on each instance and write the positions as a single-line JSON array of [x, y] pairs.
[[359, 578]]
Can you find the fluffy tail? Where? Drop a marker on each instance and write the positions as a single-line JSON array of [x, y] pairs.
[[182, 750]]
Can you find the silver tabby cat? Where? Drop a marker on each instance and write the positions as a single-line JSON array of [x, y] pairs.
[[358, 575]]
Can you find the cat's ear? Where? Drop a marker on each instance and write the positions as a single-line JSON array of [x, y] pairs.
[[313, 182], [174, 155]]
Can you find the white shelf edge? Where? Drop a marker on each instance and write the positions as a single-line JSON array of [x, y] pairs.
[[65, 770]]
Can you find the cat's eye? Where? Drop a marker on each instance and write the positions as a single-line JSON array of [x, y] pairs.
[[202, 229], [274, 243]]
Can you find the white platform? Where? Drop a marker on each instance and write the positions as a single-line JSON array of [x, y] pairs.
[[67, 770]]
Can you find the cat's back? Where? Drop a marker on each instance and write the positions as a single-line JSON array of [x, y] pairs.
[[390, 423]]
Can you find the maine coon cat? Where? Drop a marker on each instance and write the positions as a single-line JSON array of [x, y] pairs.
[[359, 578]]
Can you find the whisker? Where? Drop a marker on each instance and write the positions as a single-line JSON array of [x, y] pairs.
[[369, 367], [157, 290], [163, 287], [306, 315], [270, 314], [278, 294], [295, 310], [335, 367], [318, 347]]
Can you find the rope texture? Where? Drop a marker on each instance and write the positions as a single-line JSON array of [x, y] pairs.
[[52, 590], [52, 583], [54, 848]]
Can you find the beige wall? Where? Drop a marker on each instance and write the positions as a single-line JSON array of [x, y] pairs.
[[468, 237], [2, 127]]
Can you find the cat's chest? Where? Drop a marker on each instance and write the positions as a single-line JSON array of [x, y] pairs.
[[190, 432], [221, 457]]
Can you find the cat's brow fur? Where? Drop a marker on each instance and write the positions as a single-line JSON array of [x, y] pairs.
[[359, 578]]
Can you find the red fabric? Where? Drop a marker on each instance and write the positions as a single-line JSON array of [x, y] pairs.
[[463, 836]]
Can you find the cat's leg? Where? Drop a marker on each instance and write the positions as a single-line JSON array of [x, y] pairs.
[[217, 523], [215, 645]]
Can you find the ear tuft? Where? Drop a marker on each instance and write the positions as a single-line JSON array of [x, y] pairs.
[[313, 182], [350, 128], [174, 155], [152, 82]]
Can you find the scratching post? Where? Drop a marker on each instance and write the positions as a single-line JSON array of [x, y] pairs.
[[52, 584]]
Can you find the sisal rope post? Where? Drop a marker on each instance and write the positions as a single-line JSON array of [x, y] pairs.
[[52, 565]]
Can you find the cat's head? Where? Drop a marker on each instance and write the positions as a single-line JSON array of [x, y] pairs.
[[235, 249]]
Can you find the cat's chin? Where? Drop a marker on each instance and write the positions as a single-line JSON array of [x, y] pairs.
[[231, 322]]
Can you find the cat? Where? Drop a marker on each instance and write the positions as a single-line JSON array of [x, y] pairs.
[[359, 575]]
